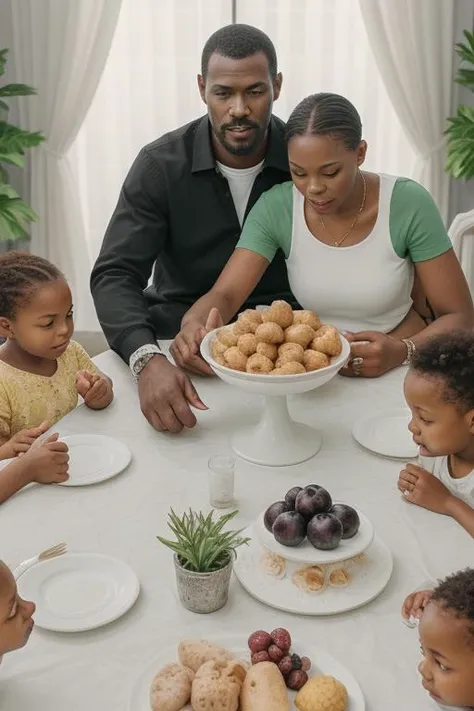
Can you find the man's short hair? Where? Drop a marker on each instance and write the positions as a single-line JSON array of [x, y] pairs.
[[238, 42]]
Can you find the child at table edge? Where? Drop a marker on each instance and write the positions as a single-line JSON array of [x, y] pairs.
[[439, 389], [16, 614], [446, 630], [42, 371]]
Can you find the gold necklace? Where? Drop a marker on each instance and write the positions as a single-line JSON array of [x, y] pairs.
[[337, 243]]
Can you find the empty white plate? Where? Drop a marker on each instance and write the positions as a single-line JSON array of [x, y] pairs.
[[386, 433], [79, 591], [95, 458]]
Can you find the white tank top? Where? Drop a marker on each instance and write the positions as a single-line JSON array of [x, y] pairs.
[[341, 283]]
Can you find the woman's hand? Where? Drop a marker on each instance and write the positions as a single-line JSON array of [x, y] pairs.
[[185, 347], [423, 489], [95, 389], [373, 354]]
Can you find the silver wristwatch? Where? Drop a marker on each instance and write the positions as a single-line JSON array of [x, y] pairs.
[[141, 356]]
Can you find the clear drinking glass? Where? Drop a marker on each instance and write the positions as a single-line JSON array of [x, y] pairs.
[[221, 481]]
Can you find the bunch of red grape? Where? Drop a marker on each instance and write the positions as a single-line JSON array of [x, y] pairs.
[[276, 647]]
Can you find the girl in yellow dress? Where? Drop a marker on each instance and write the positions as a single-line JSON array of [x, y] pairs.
[[42, 371]]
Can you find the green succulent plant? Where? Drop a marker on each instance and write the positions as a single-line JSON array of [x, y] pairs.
[[15, 214], [460, 132], [202, 545]]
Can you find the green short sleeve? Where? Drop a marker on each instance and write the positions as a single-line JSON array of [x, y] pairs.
[[269, 224], [416, 228]]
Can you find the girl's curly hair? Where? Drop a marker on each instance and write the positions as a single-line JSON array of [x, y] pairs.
[[20, 275]]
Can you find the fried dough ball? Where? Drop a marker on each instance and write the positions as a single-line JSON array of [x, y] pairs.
[[327, 340], [301, 333], [259, 364], [217, 348], [244, 324], [312, 360], [235, 359], [291, 368], [253, 315], [220, 360], [310, 318], [270, 333], [227, 336], [322, 693], [288, 352], [269, 350], [280, 312], [247, 344]]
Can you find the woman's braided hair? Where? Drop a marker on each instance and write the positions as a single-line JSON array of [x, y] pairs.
[[456, 594], [326, 114], [449, 357], [20, 275]]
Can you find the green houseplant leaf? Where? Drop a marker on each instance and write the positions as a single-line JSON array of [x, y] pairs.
[[460, 130], [15, 214], [201, 544]]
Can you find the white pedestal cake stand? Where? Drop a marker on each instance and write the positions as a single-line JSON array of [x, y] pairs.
[[277, 440]]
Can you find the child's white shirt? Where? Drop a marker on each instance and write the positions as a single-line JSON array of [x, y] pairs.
[[462, 488]]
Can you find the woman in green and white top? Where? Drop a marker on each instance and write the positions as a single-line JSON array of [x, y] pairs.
[[353, 243]]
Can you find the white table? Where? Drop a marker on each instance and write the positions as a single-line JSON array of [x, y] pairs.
[[122, 517]]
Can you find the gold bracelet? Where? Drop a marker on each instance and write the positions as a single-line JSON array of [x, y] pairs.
[[411, 350]]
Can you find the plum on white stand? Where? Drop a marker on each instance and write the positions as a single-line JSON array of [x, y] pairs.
[[277, 440]]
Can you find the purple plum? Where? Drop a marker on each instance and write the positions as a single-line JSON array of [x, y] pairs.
[[324, 531], [312, 500], [289, 529], [272, 512], [291, 495], [348, 517]]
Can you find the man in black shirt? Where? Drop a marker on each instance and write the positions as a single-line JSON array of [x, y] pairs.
[[180, 213]]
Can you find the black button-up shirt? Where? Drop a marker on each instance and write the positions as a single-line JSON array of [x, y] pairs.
[[176, 213]]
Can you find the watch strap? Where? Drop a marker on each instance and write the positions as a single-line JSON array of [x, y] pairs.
[[141, 356]]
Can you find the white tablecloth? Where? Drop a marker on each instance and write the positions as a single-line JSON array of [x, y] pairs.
[[121, 517]]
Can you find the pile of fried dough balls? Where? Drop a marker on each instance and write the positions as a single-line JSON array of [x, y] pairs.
[[278, 341]]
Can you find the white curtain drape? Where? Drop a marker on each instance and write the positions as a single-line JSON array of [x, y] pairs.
[[412, 41], [61, 47]]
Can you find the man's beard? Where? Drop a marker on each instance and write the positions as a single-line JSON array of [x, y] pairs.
[[241, 149]]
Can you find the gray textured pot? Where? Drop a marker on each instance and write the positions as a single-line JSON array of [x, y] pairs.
[[203, 592]]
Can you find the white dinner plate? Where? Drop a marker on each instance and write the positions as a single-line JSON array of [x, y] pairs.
[[79, 591], [94, 458], [322, 663], [369, 577], [306, 553], [386, 433]]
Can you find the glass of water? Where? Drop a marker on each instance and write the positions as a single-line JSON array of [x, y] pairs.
[[221, 481]]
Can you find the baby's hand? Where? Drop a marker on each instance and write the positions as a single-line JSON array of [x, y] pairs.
[[423, 489], [96, 390], [415, 604], [22, 441], [47, 462]]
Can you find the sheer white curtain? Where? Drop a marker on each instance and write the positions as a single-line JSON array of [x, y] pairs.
[[412, 43], [149, 86], [323, 46], [61, 47]]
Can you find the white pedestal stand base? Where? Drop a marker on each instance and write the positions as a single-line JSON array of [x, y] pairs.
[[277, 440]]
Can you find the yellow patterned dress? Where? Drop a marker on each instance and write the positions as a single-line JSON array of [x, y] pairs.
[[27, 399]]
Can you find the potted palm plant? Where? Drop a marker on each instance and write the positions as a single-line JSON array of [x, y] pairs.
[[460, 132], [203, 557], [15, 214]]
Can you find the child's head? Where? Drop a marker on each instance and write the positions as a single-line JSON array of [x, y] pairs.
[[447, 641], [16, 615], [35, 305], [439, 389]]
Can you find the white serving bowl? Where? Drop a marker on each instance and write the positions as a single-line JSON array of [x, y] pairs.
[[277, 440]]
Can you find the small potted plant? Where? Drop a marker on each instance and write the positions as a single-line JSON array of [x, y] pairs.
[[203, 557]]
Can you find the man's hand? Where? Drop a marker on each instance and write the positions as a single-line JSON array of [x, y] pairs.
[[166, 394], [379, 353], [423, 489], [47, 462], [96, 390], [22, 441], [185, 347]]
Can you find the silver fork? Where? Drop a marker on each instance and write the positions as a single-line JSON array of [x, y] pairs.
[[54, 552]]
